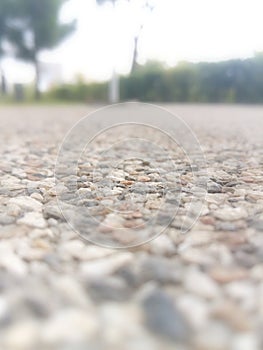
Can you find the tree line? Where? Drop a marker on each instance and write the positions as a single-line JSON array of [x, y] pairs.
[[232, 81]]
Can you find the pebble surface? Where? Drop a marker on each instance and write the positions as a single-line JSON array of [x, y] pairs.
[[199, 290]]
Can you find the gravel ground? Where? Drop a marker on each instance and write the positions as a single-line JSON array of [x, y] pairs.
[[201, 290]]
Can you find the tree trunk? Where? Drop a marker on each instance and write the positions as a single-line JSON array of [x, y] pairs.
[[135, 55], [3, 83], [37, 80]]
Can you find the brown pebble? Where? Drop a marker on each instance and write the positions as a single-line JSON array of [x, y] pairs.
[[226, 274], [207, 220], [230, 313], [144, 178], [127, 182]]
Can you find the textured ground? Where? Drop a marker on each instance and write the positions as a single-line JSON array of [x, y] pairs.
[[202, 290]]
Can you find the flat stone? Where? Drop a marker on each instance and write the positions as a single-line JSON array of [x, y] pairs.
[[109, 289], [231, 214], [213, 187], [52, 211], [199, 283], [13, 210], [105, 266], [233, 315], [163, 317], [160, 269], [257, 224], [6, 219], [228, 274], [33, 219], [27, 203], [22, 335]]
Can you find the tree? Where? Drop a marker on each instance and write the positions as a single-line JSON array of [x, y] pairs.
[[146, 5], [6, 7], [36, 27]]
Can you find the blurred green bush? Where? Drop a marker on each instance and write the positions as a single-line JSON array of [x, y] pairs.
[[233, 81]]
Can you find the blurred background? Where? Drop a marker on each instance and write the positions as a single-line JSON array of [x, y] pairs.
[[148, 50]]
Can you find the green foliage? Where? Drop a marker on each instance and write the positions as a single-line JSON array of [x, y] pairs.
[[36, 27], [231, 81], [6, 15], [79, 92]]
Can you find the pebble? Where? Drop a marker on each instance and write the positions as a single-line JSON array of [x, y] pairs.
[[242, 292], [231, 214], [228, 274], [160, 269], [69, 325], [11, 262], [231, 314], [199, 283], [27, 203], [52, 211], [246, 341], [6, 219], [199, 318], [111, 288], [213, 187], [163, 317], [37, 196], [3, 309], [21, 336], [13, 210], [33, 219], [105, 266], [214, 337], [257, 224]]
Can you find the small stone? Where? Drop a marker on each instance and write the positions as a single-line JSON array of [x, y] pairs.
[[73, 249], [27, 203], [254, 196], [257, 224], [245, 341], [226, 226], [52, 211], [213, 187], [242, 292], [160, 269], [208, 220], [33, 219], [13, 210], [199, 318], [199, 283], [11, 261], [231, 314], [127, 182], [106, 266], [163, 317], [6, 219], [22, 335], [213, 337], [231, 214], [111, 288], [228, 274], [144, 178], [195, 239], [162, 245], [69, 325], [37, 196], [3, 309]]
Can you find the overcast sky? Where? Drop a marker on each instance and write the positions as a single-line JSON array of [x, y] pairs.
[[192, 30]]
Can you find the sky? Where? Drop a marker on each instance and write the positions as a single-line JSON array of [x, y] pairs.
[[176, 30]]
